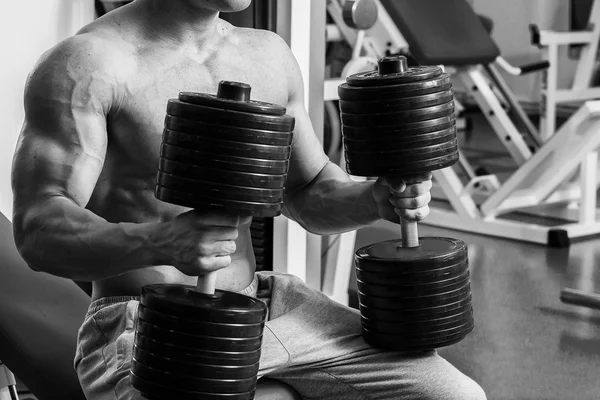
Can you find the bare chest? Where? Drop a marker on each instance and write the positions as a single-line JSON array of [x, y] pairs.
[[135, 129]]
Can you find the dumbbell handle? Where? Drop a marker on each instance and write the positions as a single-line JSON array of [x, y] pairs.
[[410, 233], [207, 283], [409, 229]]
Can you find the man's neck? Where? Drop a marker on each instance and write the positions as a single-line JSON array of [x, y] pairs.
[[179, 22]]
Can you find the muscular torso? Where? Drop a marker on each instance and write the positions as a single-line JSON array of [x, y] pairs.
[[149, 75]]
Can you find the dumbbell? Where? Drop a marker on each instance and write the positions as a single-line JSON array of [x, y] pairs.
[[229, 154], [414, 293]]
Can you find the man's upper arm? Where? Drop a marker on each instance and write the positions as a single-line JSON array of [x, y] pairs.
[[308, 157], [63, 141]]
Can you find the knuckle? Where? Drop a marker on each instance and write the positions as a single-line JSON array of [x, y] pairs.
[[229, 247], [422, 213], [222, 262], [203, 248]]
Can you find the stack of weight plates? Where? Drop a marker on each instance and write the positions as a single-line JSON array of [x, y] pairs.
[[414, 298], [261, 234], [398, 120], [192, 346], [225, 152]]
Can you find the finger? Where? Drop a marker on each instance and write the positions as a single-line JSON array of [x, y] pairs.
[[414, 190], [426, 176], [213, 263], [411, 203], [210, 218], [224, 248], [219, 233], [216, 248], [413, 215], [394, 184]]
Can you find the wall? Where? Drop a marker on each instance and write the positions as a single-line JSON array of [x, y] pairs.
[[511, 33], [27, 29]]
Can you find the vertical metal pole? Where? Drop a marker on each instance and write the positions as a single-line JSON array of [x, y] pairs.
[[588, 180], [550, 86], [295, 250]]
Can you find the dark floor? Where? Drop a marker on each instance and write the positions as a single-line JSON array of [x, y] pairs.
[[526, 343]]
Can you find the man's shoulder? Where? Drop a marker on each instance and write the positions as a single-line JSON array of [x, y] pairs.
[[260, 41], [84, 53]]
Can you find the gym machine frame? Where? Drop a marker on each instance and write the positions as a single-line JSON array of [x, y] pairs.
[[479, 205], [549, 43]]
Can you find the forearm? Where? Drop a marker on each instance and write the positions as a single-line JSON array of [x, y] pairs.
[[65, 240], [332, 203]]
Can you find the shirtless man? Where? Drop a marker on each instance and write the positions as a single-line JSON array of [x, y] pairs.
[[84, 209]]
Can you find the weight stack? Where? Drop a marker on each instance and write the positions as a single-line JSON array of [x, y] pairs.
[[261, 232], [228, 154], [192, 346], [400, 121]]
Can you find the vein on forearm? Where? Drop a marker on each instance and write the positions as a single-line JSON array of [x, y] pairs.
[[332, 203]]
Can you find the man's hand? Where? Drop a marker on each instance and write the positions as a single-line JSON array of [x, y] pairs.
[[403, 198], [197, 243]]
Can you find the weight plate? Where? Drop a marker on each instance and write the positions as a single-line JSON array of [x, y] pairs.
[[225, 132], [226, 147], [432, 253], [393, 92], [197, 341], [209, 357], [226, 163], [384, 106], [211, 115], [395, 161], [195, 384], [252, 106], [401, 142], [406, 278], [193, 369], [399, 117], [215, 190], [152, 391], [393, 342], [400, 155], [410, 129], [196, 327], [225, 177], [423, 327], [242, 208], [416, 314], [362, 169], [401, 303], [435, 334], [413, 74], [411, 290], [418, 346], [222, 307]]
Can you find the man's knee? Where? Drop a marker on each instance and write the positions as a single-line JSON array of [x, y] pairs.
[[459, 387]]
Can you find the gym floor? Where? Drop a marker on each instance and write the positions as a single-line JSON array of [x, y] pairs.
[[526, 343]]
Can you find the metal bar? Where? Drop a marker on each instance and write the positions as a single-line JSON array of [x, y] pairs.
[[587, 57], [549, 93], [580, 298], [489, 104], [588, 180], [569, 95], [535, 180], [515, 107], [549, 38]]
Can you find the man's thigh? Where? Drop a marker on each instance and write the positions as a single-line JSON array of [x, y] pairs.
[[315, 345], [105, 351]]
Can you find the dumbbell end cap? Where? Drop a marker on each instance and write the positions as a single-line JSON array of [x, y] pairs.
[[392, 65], [235, 91]]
